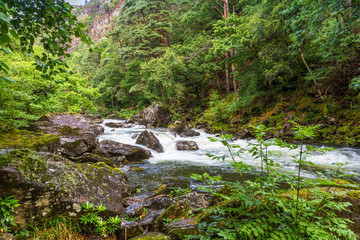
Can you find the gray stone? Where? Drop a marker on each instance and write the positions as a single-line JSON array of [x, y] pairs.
[[77, 132], [187, 146], [110, 149], [149, 140], [177, 230], [154, 116], [49, 185]]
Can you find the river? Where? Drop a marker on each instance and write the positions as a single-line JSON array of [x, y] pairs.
[[177, 165]]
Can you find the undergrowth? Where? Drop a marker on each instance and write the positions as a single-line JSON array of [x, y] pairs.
[[263, 209]]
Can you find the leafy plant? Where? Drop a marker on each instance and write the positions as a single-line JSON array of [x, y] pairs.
[[99, 225], [7, 207], [261, 209]]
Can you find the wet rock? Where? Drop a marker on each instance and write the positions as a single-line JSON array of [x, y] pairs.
[[149, 140], [141, 198], [49, 185], [198, 200], [134, 210], [130, 229], [161, 202], [149, 219], [77, 132], [155, 116], [114, 125], [152, 236], [187, 146], [111, 149], [119, 161], [178, 210], [183, 131], [168, 186], [92, 158], [177, 230]]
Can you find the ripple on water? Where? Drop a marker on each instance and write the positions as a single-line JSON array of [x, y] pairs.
[[173, 164]]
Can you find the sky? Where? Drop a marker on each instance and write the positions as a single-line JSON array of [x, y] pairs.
[[76, 2]]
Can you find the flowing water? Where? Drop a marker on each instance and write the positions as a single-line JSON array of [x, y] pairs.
[[178, 165]]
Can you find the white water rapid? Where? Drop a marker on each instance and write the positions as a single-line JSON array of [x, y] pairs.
[[174, 164]]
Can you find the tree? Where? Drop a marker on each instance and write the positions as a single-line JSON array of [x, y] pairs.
[[24, 22], [24, 25]]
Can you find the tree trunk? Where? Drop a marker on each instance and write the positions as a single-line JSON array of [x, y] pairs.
[[227, 78]]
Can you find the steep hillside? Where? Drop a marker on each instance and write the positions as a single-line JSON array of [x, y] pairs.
[[98, 16]]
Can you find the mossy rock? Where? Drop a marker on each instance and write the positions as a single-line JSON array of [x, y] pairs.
[[178, 211], [152, 236], [49, 185], [19, 139], [179, 229], [168, 186]]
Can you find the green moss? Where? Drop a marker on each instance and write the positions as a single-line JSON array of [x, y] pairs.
[[17, 139], [151, 236], [68, 131]]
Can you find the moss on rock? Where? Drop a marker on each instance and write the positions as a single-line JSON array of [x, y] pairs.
[[36, 141]]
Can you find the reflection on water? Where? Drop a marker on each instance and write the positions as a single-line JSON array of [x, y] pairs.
[[173, 164]]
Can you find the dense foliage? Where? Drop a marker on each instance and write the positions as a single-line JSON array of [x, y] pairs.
[[165, 50], [33, 79], [262, 208]]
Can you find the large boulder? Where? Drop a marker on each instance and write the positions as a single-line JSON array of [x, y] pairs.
[[114, 150], [149, 140], [183, 131], [37, 141], [48, 185], [187, 146], [77, 132], [156, 115]]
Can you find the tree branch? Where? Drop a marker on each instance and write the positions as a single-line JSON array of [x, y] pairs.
[[218, 10]]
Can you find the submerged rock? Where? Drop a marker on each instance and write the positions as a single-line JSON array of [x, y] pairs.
[[111, 149], [77, 132], [149, 140], [187, 146], [48, 185]]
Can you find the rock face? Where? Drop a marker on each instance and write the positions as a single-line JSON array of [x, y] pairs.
[[47, 185], [111, 149], [77, 132], [183, 131], [154, 116], [149, 140], [187, 146]]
